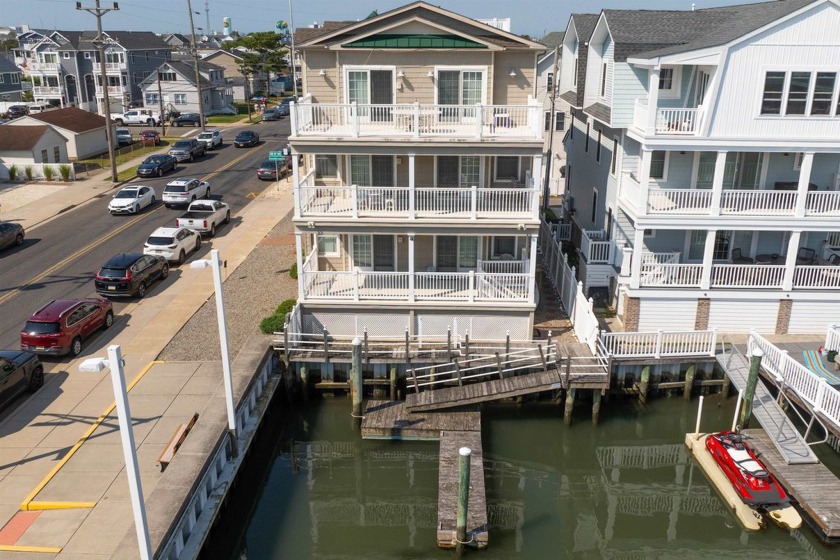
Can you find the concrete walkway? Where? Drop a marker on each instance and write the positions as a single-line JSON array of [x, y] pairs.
[[37, 468]]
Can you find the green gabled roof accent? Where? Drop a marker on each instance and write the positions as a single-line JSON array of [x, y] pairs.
[[394, 41]]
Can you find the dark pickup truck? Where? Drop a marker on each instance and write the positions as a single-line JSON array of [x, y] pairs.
[[19, 371]]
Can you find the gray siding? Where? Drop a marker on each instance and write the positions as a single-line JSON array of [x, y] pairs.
[[629, 84]]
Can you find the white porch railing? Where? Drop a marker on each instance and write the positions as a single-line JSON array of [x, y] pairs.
[[659, 343], [423, 203], [820, 277], [595, 248], [758, 203], [417, 120], [686, 275], [747, 276], [671, 274], [822, 203], [678, 121], [679, 201], [45, 66], [672, 257], [114, 66], [112, 89], [810, 387], [46, 90], [503, 267], [832, 338]]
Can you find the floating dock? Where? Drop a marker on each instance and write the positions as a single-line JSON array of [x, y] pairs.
[[391, 420], [748, 517]]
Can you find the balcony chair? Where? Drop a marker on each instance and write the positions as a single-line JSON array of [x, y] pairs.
[[806, 256], [834, 259], [738, 258]]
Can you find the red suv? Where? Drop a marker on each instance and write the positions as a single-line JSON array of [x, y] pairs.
[[60, 326]]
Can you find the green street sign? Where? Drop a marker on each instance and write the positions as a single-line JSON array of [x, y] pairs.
[[276, 156]]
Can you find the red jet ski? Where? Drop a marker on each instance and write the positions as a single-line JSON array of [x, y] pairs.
[[755, 486]]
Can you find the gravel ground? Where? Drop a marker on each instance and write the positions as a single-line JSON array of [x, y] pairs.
[[252, 291]]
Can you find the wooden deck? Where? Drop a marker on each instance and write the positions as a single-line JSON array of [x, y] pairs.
[[391, 420], [495, 389], [815, 487], [450, 443]]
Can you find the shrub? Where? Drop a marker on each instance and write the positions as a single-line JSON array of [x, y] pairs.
[[273, 323], [49, 172], [293, 271], [286, 307], [28, 171], [64, 171], [13, 172]]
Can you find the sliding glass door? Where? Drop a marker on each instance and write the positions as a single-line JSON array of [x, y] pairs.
[[371, 87], [459, 91]]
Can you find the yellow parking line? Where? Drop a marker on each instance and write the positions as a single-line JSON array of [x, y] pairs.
[[17, 548], [42, 506], [28, 504]]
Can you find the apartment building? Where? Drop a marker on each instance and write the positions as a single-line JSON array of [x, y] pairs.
[[703, 167], [418, 206], [175, 81]]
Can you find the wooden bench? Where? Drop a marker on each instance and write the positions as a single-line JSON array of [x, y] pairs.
[[175, 443]]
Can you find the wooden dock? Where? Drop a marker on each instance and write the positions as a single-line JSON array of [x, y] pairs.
[[450, 443], [391, 420], [815, 487]]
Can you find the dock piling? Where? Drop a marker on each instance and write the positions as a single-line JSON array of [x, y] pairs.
[[596, 405], [738, 404], [464, 455], [749, 393], [393, 393], [304, 382], [570, 404], [689, 381], [356, 378], [644, 384], [699, 416]]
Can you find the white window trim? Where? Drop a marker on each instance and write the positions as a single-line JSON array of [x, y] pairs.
[[835, 96], [335, 253], [349, 167], [664, 178], [603, 80], [483, 69], [676, 83], [599, 155], [348, 69], [480, 170], [66, 55], [496, 170], [614, 156]]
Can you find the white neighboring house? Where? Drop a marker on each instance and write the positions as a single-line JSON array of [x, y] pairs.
[[178, 87], [704, 167], [30, 146], [83, 130]]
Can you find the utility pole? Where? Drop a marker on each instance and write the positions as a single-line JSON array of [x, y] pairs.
[[292, 35], [197, 73], [99, 43], [552, 126], [160, 102]]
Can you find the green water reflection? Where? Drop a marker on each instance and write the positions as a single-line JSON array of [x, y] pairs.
[[624, 489]]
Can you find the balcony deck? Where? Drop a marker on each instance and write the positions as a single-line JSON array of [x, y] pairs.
[[680, 121]]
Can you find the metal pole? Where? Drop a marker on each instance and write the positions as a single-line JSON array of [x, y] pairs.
[[132, 470], [464, 455], [737, 409], [160, 103], [356, 380], [216, 261], [552, 124], [106, 100], [197, 73], [752, 381], [292, 36], [699, 415]]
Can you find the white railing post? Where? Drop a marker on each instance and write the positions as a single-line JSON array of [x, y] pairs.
[[355, 284], [636, 263], [301, 271], [532, 269], [411, 278], [296, 182], [644, 181], [412, 193], [354, 116], [472, 286], [790, 262], [479, 120], [354, 189], [652, 101], [804, 183], [658, 350], [708, 260], [473, 202], [713, 347], [717, 182], [416, 117]]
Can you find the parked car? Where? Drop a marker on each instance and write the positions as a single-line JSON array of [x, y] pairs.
[[19, 372], [124, 136], [60, 326], [16, 111], [282, 110], [193, 119], [246, 138], [210, 138], [129, 274], [172, 243], [132, 199], [270, 115], [273, 170], [184, 150], [204, 216], [184, 191], [11, 233], [149, 137], [157, 164], [136, 116]]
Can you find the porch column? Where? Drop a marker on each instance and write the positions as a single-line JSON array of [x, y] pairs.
[[708, 259], [300, 259], [411, 187], [532, 270], [804, 180], [296, 184], [653, 100], [644, 181], [790, 262], [636, 263], [537, 177], [717, 182], [411, 267]]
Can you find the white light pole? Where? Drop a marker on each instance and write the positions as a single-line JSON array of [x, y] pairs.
[[215, 262], [115, 362]]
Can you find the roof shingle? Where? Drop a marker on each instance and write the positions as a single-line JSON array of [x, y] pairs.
[[71, 118], [23, 139]]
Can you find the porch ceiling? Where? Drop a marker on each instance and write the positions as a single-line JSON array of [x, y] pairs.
[[417, 147], [764, 223]]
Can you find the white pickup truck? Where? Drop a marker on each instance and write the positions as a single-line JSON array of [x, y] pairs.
[[204, 215], [137, 116]]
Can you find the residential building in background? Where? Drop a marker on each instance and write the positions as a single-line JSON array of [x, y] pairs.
[[11, 88], [175, 80], [554, 113]]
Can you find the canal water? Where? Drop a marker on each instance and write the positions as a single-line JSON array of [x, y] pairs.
[[623, 489]]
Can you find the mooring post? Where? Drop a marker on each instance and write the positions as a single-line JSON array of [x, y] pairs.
[[499, 365], [596, 405], [286, 352], [507, 345], [304, 382], [467, 346], [356, 379], [393, 393], [724, 389], [449, 343], [570, 404], [749, 393], [407, 348], [326, 347], [689, 381], [644, 384], [367, 353], [464, 455]]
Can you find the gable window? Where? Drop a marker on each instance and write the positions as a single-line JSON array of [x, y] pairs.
[[66, 54], [575, 74], [180, 99], [614, 160], [598, 148], [559, 121], [167, 76], [549, 83], [507, 168], [823, 90], [658, 163], [774, 88], [326, 166], [797, 99], [586, 144], [603, 79]]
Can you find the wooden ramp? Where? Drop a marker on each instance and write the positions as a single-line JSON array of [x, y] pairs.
[[450, 443], [391, 420], [815, 487], [450, 397]]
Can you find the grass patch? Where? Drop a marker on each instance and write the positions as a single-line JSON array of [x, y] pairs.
[[127, 174], [225, 118], [102, 162]]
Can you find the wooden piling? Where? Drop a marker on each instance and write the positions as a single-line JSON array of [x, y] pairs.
[[570, 404], [304, 382], [724, 390], [393, 393], [463, 498], [356, 379], [689, 381], [749, 392], [596, 405], [644, 384], [367, 353], [326, 347]]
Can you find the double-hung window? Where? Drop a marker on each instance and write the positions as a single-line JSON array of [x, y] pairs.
[[326, 166], [823, 90], [798, 93], [180, 99], [559, 121], [797, 100], [507, 168], [774, 89], [657, 164]]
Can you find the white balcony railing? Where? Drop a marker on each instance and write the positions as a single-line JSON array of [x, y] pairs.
[[669, 121], [51, 67], [503, 267], [596, 248], [689, 275], [825, 203], [758, 203], [45, 91], [112, 90], [679, 201], [747, 276], [422, 203], [426, 286], [350, 120], [115, 66], [671, 274]]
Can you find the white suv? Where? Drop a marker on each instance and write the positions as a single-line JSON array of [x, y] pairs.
[[210, 138], [173, 244], [181, 192]]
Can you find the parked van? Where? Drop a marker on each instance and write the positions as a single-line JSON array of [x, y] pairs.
[[39, 108]]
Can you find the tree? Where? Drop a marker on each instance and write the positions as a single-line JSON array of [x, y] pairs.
[[265, 54]]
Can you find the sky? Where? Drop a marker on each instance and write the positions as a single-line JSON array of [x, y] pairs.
[[528, 17]]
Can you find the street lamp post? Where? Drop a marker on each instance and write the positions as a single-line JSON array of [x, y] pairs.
[[215, 262], [115, 362]]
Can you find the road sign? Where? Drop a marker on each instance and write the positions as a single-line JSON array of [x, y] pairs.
[[275, 156]]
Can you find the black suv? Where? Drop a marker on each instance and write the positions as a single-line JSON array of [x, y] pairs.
[[193, 119], [128, 274], [246, 138]]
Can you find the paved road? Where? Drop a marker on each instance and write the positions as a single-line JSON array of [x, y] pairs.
[[60, 258]]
